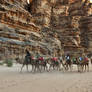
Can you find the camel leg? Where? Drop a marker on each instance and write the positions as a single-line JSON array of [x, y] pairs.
[[38, 68], [27, 67], [53, 67], [67, 67], [71, 68], [32, 68], [41, 67], [87, 67], [64, 68], [44, 67], [35, 67], [78, 68], [50, 67], [82, 68], [59, 69], [22, 67], [91, 61]]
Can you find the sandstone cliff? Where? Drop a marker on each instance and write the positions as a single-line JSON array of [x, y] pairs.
[[51, 27]]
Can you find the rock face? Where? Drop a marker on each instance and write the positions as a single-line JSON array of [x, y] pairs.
[[51, 27], [60, 18], [86, 33], [85, 24], [18, 31], [63, 17], [16, 27]]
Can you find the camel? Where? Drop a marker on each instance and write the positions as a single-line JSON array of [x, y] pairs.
[[55, 64], [85, 64], [26, 61]]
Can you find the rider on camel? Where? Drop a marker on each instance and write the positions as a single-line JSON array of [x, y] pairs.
[[68, 60], [28, 54], [80, 58], [86, 58], [37, 55], [67, 56]]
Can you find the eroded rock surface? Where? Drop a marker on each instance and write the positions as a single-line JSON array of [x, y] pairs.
[[48, 26]]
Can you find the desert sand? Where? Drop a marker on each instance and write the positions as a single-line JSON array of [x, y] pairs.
[[11, 80]]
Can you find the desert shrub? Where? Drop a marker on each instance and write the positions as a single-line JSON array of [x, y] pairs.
[[9, 62], [1, 63]]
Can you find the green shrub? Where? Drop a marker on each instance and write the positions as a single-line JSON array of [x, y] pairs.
[[1, 63], [8, 62]]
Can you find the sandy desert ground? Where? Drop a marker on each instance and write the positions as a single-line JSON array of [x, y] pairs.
[[11, 80]]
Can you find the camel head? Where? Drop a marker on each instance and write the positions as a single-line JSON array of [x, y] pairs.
[[29, 1]]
